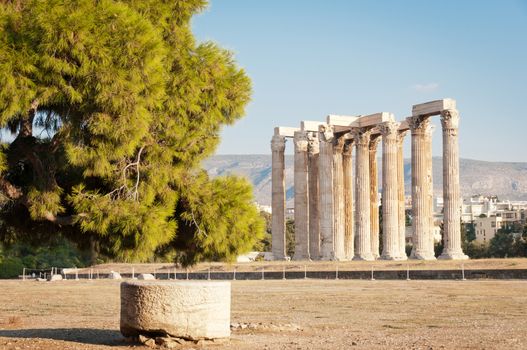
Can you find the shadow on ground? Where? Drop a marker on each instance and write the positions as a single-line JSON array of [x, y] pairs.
[[79, 335]]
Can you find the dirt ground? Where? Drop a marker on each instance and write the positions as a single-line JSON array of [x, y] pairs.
[[294, 314]]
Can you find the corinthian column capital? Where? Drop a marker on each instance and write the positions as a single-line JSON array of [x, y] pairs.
[[313, 146], [450, 119], [374, 142], [338, 144], [362, 136], [278, 143], [418, 124], [301, 141], [348, 148], [389, 128], [326, 133]]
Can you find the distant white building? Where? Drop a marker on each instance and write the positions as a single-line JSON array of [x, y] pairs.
[[265, 208], [486, 228], [409, 234], [476, 206]]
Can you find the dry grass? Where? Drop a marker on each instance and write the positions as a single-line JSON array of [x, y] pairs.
[[11, 322], [300, 314]]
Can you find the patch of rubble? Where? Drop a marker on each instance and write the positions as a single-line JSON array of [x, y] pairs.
[[280, 327], [168, 342]]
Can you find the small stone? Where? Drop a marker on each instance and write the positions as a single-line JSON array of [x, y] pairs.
[[243, 326], [146, 276], [172, 345], [143, 339], [167, 343], [353, 343], [114, 275], [151, 343], [55, 278]]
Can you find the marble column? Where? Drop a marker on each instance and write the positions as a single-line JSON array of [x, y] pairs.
[[390, 195], [325, 178], [347, 165], [401, 196], [314, 225], [374, 197], [278, 198], [338, 199], [301, 197], [451, 190], [430, 189], [362, 195], [420, 128]]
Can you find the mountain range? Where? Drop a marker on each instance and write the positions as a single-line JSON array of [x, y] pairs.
[[506, 180]]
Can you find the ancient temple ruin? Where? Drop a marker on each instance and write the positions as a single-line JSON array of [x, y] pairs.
[[336, 212]]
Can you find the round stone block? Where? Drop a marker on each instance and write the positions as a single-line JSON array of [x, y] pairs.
[[184, 309]]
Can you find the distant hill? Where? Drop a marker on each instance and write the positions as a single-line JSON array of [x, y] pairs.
[[506, 180]]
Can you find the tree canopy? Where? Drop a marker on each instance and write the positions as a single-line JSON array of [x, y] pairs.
[[112, 106]]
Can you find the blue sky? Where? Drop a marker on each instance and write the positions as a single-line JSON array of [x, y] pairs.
[[310, 58]]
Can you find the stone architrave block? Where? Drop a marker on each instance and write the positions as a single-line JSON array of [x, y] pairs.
[[285, 131], [433, 107], [183, 309]]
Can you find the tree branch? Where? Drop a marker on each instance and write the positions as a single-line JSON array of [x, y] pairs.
[[134, 193], [64, 220]]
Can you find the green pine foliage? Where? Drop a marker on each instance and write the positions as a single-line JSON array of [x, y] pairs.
[[113, 106], [218, 220]]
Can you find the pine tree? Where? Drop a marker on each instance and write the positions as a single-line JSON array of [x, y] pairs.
[[113, 106]]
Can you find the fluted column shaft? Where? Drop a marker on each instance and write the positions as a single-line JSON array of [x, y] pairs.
[[400, 188], [347, 165], [314, 225], [362, 195], [278, 198], [325, 178], [338, 199], [374, 196], [420, 127], [430, 189], [451, 191], [390, 195], [301, 197]]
